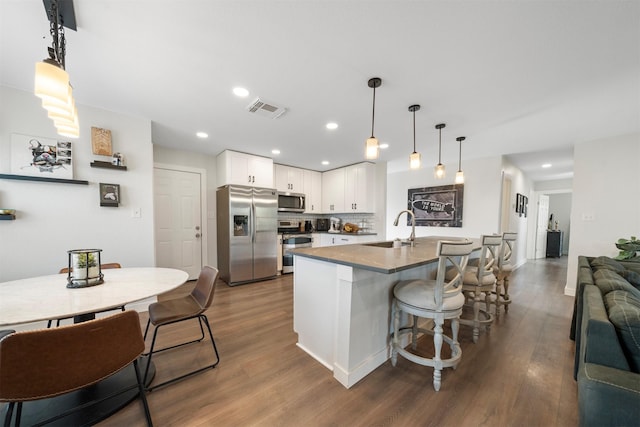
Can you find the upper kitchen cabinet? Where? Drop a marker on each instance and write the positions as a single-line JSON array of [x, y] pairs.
[[333, 191], [358, 188], [289, 179], [244, 169], [313, 191]]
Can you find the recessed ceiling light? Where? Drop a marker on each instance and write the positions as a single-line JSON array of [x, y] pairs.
[[332, 125], [275, 151], [325, 162], [546, 165], [202, 135], [240, 91], [384, 146]]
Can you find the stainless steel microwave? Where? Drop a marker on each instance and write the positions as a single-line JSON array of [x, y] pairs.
[[291, 202]]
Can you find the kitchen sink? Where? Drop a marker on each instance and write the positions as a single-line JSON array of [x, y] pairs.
[[386, 244]]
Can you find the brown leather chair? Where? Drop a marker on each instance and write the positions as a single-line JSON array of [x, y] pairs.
[[51, 362], [191, 306], [106, 266]]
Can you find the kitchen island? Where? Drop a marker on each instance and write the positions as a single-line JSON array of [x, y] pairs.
[[342, 299]]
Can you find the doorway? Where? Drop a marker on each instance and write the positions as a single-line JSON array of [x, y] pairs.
[[180, 237]]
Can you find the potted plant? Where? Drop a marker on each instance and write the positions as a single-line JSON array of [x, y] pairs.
[[85, 266], [628, 248]]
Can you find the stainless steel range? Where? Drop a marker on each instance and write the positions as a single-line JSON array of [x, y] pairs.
[[292, 238]]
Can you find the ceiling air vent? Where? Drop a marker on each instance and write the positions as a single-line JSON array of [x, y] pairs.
[[263, 108]]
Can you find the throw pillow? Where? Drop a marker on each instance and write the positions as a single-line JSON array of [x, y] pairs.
[[604, 262], [623, 309]]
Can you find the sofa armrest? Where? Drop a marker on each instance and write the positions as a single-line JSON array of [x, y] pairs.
[[608, 396]]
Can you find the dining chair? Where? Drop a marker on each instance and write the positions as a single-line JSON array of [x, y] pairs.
[[46, 363], [190, 306], [502, 271], [439, 300], [105, 266], [478, 284]]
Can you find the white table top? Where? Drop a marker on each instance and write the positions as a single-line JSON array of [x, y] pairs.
[[47, 297]]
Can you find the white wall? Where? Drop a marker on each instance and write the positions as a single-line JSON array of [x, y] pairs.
[[52, 217], [516, 222], [167, 156], [606, 199], [481, 205]]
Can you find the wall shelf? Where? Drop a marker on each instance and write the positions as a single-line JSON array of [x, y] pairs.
[[106, 165], [7, 216], [37, 178]]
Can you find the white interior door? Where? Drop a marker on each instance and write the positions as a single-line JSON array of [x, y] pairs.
[[178, 222], [541, 226]]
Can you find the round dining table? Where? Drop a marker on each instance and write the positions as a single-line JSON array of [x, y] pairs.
[[47, 297]]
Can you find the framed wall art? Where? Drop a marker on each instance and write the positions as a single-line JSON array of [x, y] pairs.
[[101, 141], [109, 195], [41, 157], [436, 206]]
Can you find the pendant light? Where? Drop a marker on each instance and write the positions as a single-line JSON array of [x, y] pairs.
[[51, 80], [371, 148], [460, 174], [414, 158], [439, 169]]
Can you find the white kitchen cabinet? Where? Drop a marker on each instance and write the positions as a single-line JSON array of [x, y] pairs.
[[316, 240], [329, 239], [289, 179], [359, 188], [313, 191], [244, 169], [333, 191], [349, 189]]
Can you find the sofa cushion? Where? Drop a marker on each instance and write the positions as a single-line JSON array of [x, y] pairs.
[[631, 277], [606, 263], [623, 309], [609, 280]]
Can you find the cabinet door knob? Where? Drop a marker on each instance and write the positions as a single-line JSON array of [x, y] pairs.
[[197, 235]]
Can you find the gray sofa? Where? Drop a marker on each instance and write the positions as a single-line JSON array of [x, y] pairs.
[[606, 329]]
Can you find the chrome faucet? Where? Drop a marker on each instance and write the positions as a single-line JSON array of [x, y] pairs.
[[412, 238]]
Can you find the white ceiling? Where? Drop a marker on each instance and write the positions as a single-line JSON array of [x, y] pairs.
[[514, 77]]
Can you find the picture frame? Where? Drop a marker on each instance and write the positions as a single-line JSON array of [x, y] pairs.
[[440, 206], [101, 141], [109, 194], [41, 157]]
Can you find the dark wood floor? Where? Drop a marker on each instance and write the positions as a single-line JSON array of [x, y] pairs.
[[519, 374]]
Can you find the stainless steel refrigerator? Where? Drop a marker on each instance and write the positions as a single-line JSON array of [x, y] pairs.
[[247, 233]]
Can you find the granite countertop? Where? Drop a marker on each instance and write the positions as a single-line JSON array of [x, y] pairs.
[[381, 259]]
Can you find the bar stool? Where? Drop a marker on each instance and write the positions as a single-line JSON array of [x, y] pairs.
[[478, 284], [503, 271], [438, 299]]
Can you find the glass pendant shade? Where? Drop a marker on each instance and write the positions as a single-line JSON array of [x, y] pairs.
[[372, 149], [459, 177], [51, 82], [439, 171], [60, 106], [415, 160], [69, 132]]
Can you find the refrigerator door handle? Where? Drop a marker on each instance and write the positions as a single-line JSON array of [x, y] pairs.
[[252, 223]]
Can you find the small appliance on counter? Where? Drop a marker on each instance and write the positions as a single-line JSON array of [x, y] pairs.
[[322, 224], [336, 225]]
